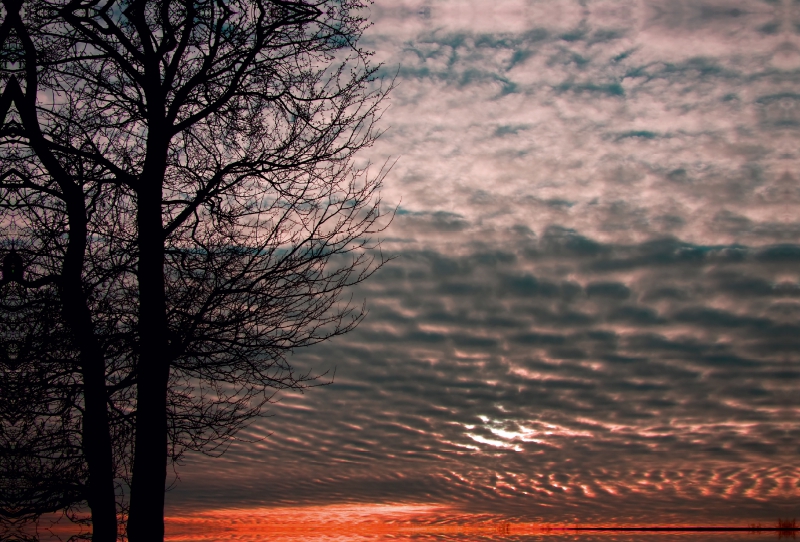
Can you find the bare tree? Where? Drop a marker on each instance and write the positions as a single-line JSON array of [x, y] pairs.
[[187, 183]]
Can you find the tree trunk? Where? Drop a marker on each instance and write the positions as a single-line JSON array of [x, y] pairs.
[[97, 449], [146, 521], [96, 435]]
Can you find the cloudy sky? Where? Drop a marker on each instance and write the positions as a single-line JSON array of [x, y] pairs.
[[592, 314]]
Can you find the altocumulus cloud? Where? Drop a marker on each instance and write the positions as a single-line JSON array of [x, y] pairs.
[[593, 310]]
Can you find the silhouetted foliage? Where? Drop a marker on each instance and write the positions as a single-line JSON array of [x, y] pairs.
[[180, 175]]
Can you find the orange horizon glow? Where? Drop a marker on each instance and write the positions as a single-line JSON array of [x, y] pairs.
[[349, 522], [354, 522], [330, 521]]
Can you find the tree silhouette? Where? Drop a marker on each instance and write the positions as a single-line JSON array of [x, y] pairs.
[[181, 176], [41, 465]]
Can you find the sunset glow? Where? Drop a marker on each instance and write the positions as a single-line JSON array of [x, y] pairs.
[[364, 522], [338, 522], [399, 270], [297, 522]]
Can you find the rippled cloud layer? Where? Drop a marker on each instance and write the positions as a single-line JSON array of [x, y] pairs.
[[592, 313]]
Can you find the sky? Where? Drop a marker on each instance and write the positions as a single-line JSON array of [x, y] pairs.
[[592, 310]]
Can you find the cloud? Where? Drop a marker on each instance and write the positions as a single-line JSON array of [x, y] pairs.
[[481, 382], [593, 310]]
